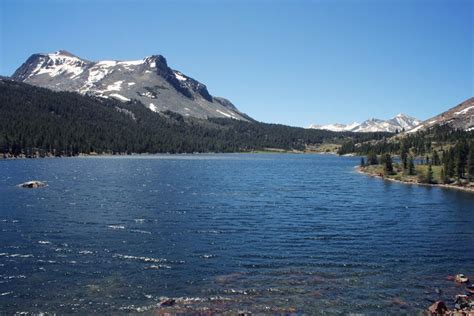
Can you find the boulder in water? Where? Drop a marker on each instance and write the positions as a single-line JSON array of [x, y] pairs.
[[461, 302], [32, 184], [461, 278], [470, 289], [168, 302], [438, 308]]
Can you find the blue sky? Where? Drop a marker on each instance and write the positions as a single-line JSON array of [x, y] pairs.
[[291, 62]]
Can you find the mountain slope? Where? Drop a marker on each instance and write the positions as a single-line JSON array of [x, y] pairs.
[[459, 117], [397, 123], [37, 121], [148, 80]]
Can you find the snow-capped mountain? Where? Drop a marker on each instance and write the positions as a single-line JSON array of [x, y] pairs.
[[398, 123], [336, 127], [148, 80], [460, 117]]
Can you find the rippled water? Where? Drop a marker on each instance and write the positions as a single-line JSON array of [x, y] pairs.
[[239, 232]]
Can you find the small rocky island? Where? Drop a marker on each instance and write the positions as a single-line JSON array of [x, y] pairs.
[[34, 184]]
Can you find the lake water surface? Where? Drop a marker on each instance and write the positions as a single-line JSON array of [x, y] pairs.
[[239, 232]]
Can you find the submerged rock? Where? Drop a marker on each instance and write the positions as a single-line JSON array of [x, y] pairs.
[[168, 302], [461, 302], [461, 278], [32, 184], [470, 289], [438, 308]]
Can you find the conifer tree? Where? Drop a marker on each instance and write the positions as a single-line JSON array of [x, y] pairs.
[[470, 162], [372, 159], [435, 160], [404, 157], [429, 175], [388, 167], [411, 166], [459, 163], [444, 179], [451, 167], [445, 168]]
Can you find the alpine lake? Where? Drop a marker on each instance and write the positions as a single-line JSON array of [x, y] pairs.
[[260, 233]]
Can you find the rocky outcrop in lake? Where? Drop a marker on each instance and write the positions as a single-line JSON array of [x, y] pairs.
[[34, 184]]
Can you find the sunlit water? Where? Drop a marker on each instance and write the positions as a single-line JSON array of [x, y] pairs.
[[237, 232]]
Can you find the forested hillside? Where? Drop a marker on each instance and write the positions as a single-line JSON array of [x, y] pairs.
[[38, 122], [446, 153], [420, 143]]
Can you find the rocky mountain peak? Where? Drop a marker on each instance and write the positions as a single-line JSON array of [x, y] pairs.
[[64, 53], [157, 61], [149, 80]]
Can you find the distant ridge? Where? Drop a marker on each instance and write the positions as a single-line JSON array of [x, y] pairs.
[[398, 123]]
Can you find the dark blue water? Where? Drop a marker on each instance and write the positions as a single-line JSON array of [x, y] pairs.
[[261, 233]]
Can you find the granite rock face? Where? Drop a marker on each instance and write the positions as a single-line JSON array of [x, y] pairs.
[[149, 80]]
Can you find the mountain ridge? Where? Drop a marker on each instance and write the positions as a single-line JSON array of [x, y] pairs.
[[397, 123], [460, 116]]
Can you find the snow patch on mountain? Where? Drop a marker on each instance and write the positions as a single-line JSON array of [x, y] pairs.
[[416, 129], [119, 97], [229, 115], [131, 62], [153, 107], [115, 86], [58, 63], [464, 111], [335, 127], [179, 76]]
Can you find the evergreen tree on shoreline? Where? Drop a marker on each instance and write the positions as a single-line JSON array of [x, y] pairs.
[[470, 162], [444, 179], [372, 159], [404, 157], [450, 161], [429, 174], [445, 169], [388, 166], [436, 160], [411, 166]]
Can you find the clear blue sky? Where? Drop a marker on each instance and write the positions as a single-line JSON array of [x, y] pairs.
[[291, 62]]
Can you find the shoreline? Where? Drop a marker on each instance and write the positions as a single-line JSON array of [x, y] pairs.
[[297, 152], [445, 186]]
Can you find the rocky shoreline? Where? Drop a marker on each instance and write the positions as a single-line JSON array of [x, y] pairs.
[[447, 186], [93, 154], [463, 303]]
